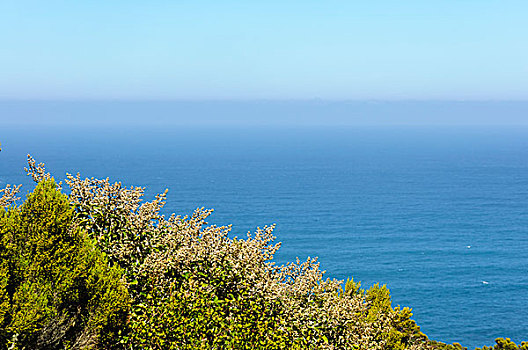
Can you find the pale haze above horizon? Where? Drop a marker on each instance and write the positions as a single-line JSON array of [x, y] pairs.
[[194, 50]]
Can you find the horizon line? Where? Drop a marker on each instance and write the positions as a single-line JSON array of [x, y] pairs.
[[315, 99]]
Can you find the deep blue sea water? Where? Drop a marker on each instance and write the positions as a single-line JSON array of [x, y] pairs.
[[439, 214]]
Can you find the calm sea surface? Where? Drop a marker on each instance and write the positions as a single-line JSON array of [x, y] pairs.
[[440, 214]]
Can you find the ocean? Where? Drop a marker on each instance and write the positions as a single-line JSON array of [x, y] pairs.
[[437, 213]]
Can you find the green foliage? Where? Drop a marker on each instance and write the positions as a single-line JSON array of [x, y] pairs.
[[505, 344], [402, 330], [500, 344], [351, 287], [56, 290], [201, 320], [209, 308], [442, 346]]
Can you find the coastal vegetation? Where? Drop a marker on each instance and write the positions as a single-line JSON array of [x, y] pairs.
[[88, 264]]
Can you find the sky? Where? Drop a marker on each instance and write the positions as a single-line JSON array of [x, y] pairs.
[[238, 50]]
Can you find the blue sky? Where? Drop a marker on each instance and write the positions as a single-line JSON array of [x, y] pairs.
[[448, 49]]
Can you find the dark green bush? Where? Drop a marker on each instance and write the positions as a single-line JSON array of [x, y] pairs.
[[56, 289], [505, 344], [500, 344], [403, 331]]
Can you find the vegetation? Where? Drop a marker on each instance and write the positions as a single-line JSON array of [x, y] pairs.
[[100, 268], [500, 344], [56, 289]]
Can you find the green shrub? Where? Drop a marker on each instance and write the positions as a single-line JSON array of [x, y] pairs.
[[402, 331], [505, 344], [56, 289], [195, 318]]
